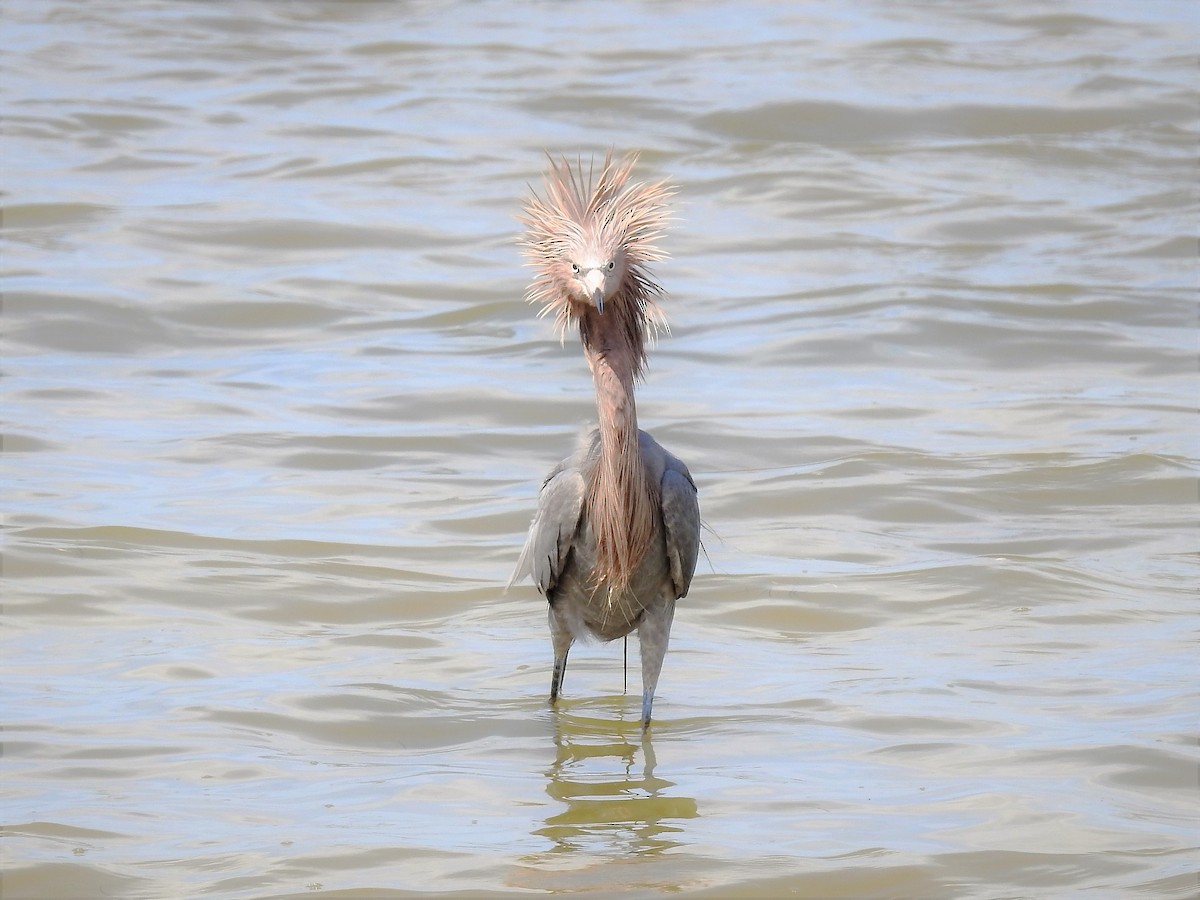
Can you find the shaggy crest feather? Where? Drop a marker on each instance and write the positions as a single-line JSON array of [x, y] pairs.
[[605, 216]]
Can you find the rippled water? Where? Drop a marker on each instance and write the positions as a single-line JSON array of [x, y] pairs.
[[276, 417]]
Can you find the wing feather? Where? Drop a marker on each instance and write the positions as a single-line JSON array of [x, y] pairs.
[[681, 520], [555, 525]]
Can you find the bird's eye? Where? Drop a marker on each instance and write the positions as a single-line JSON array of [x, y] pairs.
[[575, 268], [611, 265]]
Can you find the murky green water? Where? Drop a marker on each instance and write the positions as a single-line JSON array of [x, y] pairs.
[[276, 417]]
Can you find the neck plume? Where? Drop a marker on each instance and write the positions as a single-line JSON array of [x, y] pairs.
[[620, 498]]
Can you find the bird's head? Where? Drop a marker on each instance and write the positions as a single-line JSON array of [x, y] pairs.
[[591, 273], [589, 241]]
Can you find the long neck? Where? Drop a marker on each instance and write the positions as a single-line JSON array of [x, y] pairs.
[[619, 497]]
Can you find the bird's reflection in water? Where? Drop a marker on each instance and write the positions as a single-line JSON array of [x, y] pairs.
[[603, 774]]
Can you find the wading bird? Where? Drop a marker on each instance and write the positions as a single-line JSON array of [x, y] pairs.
[[613, 542]]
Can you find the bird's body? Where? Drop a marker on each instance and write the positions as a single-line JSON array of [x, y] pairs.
[[614, 541]]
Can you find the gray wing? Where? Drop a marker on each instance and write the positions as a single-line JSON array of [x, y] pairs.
[[554, 526], [680, 511], [681, 519]]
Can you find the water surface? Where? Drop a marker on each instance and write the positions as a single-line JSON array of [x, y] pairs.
[[275, 419]]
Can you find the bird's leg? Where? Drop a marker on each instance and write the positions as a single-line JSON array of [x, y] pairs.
[[560, 638], [625, 665], [560, 669], [653, 634]]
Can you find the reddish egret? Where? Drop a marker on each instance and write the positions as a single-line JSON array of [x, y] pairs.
[[613, 542]]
